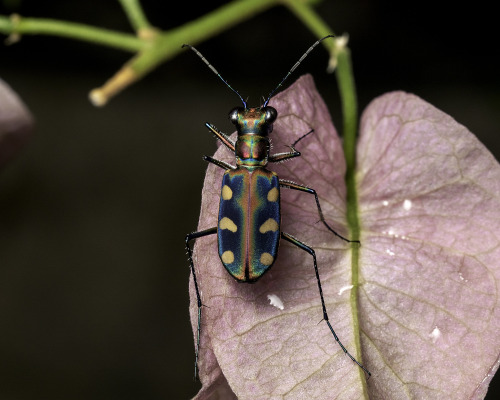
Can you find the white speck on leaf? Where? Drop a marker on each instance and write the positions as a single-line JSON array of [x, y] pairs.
[[275, 301], [435, 334], [344, 288], [407, 205]]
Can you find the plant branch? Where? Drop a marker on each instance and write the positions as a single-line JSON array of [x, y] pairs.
[[17, 25], [136, 16], [347, 89], [152, 46]]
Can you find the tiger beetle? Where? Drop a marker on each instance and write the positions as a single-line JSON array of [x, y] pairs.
[[248, 229]]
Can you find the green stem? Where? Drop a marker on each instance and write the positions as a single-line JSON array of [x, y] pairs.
[[153, 47], [168, 44], [135, 14], [347, 88], [151, 50], [36, 26], [347, 91]]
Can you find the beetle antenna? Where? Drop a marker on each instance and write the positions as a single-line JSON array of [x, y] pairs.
[[294, 67], [217, 73]]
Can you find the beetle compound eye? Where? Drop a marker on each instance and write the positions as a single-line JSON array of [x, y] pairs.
[[271, 114], [233, 115]]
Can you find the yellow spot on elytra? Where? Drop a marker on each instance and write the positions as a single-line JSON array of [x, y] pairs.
[[269, 225], [228, 257], [272, 195], [227, 193], [266, 259], [226, 223]]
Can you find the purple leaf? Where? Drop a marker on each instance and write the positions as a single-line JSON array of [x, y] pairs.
[[428, 266], [16, 124], [429, 209]]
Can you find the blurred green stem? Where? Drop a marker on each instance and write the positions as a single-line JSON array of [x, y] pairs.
[[135, 15], [152, 46], [17, 25]]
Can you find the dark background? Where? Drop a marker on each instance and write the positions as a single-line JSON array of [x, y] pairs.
[[93, 212]]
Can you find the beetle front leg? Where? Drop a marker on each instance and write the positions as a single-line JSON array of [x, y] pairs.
[[221, 136], [189, 237], [219, 163], [292, 185]]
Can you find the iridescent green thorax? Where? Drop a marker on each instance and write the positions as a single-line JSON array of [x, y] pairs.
[[252, 150]]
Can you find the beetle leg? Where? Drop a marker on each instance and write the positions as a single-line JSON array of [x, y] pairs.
[[291, 154], [221, 136], [219, 163], [292, 185], [303, 246], [189, 237]]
